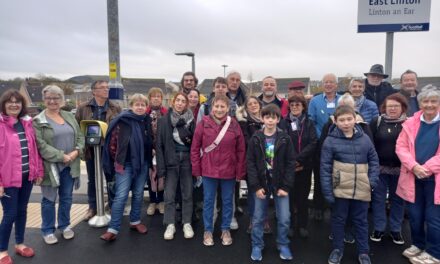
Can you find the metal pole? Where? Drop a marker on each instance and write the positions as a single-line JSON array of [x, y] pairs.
[[115, 83], [101, 218], [389, 55], [193, 63], [224, 70]]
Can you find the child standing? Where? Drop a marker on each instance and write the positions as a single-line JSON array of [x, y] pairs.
[[270, 168], [349, 171]]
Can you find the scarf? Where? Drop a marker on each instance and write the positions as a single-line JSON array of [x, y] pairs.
[[297, 120], [254, 118], [358, 102], [388, 119], [137, 152], [186, 117]]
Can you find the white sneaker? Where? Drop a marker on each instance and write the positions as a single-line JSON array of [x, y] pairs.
[[424, 258], [412, 251], [234, 223], [169, 232], [68, 233], [188, 231], [50, 239], [151, 209]]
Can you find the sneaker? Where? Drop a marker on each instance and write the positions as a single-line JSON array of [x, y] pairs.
[[266, 228], [169, 232], [412, 251], [234, 223], [349, 238], [376, 236], [226, 238], [68, 233], [151, 209], [424, 258], [256, 254], [364, 259], [335, 257], [304, 233], [207, 239], [397, 238], [161, 207], [285, 253], [50, 239], [188, 231]]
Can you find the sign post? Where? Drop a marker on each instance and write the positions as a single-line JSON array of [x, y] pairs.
[[393, 16]]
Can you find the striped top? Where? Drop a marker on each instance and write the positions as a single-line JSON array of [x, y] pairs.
[[24, 149]]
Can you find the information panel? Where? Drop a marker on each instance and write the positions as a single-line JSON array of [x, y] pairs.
[[393, 15]]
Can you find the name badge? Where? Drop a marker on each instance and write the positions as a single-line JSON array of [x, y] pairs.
[[331, 105], [293, 124]]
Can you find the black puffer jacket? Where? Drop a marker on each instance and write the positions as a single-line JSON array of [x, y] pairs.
[[283, 164], [304, 140], [166, 157]]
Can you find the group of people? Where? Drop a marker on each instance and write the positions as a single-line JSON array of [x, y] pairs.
[[371, 145]]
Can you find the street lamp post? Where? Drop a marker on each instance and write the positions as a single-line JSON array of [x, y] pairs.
[[189, 54], [224, 70]]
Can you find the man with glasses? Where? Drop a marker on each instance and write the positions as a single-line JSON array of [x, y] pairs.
[[189, 81], [98, 108], [321, 107], [376, 89]]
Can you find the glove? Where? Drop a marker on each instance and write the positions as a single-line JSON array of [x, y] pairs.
[[180, 123]]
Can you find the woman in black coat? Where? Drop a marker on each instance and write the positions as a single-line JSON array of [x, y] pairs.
[[303, 134]]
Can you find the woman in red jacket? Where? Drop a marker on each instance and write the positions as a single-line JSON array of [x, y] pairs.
[[218, 155]]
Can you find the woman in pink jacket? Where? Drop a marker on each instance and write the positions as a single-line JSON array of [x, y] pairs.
[[219, 163], [20, 166], [419, 182]]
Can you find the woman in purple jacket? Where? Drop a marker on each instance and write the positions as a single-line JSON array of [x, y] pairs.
[[20, 166], [219, 162]]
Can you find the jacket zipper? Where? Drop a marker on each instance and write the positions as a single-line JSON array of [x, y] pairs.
[[355, 167]]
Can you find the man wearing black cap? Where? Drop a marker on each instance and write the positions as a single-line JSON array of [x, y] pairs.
[[376, 89]]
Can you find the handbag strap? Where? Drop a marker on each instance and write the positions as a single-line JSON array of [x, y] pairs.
[[219, 136]]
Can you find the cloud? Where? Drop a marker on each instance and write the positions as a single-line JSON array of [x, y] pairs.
[[280, 38]]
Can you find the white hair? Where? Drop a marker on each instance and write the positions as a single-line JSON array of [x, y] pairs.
[[428, 91], [346, 99], [53, 89]]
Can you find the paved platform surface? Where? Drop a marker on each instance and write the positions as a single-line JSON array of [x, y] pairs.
[[131, 247]]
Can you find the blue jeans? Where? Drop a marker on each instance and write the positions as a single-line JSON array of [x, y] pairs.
[[65, 203], [123, 184], [209, 194], [282, 210], [358, 211], [387, 183], [425, 211], [14, 211]]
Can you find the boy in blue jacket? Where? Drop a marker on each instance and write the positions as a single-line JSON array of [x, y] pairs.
[[270, 170], [349, 172]]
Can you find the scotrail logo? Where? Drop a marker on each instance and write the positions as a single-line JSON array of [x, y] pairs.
[[408, 27]]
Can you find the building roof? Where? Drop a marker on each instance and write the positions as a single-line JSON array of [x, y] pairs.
[[6, 85]]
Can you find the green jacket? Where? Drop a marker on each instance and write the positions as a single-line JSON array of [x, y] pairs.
[[50, 155]]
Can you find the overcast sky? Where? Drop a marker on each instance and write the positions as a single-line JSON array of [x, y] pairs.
[[283, 38]]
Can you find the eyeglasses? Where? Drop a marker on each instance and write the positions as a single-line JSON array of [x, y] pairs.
[[55, 99], [13, 102], [393, 106], [295, 105]]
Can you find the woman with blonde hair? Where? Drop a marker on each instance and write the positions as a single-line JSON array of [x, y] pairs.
[[127, 154]]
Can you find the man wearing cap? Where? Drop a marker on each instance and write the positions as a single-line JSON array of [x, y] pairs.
[[269, 95], [376, 89], [297, 88], [408, 88]]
